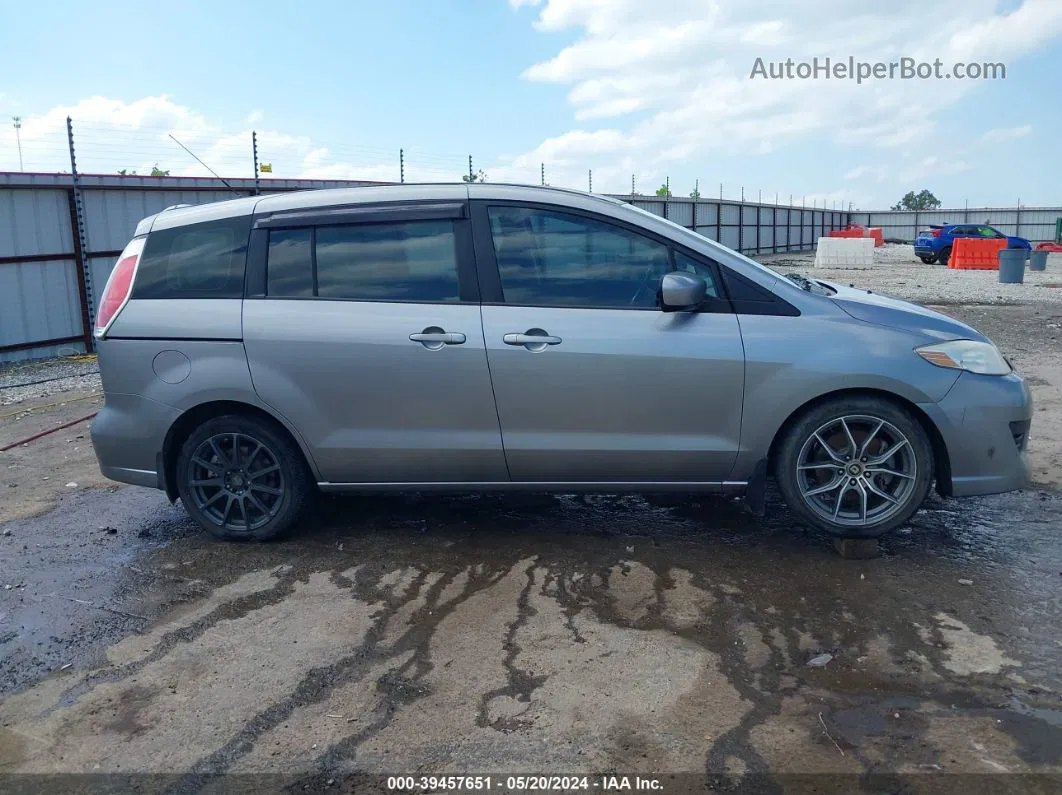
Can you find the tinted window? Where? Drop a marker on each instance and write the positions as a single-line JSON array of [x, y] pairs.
[[413, 261], [684, 263], [555, 259], [196, 261], [289, 267]]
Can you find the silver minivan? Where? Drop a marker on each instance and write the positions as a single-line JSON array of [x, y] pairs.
[[494, 337]]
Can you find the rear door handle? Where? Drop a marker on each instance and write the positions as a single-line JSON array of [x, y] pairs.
[[434, 338]]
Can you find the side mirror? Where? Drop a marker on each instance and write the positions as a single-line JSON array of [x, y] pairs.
[[682, 292]]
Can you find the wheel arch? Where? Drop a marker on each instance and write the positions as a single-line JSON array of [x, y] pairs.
[[941, 460], [192, 418]]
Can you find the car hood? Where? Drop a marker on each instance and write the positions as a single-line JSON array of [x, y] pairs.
[[884, 311]]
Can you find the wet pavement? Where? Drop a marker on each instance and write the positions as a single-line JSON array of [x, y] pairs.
[[535, 634]]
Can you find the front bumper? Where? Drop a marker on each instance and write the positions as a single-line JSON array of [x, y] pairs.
[[984, 421], [128, 435]]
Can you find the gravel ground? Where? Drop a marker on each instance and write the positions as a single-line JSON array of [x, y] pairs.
[[898, 273], [27, 382]]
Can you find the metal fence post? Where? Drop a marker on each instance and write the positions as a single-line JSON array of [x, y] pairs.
[[80, 241], [401, 166], [741, 222], [254, 151]]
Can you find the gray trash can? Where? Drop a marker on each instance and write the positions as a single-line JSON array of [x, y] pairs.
[[1038, 261], [1012, 265]]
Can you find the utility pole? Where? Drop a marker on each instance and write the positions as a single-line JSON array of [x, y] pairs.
[[543, 173], [401, 166], [18, 137], [254, 152], [590, 179]]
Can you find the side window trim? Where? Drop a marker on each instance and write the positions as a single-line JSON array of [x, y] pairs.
[[363, 214]]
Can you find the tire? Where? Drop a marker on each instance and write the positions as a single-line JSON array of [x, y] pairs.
[[230, 499], [803, 466], [928, 260], [944, 256]]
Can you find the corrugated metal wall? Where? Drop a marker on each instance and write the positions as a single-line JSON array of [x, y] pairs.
[[1033, 223], [42, 299], [43, 310], [749, 228]]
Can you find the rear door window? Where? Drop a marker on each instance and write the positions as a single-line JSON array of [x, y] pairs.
[[205, 260], [410, 261], [290, 263], [414, 261]]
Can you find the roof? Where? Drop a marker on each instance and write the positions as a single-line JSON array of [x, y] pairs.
[[295, 200]]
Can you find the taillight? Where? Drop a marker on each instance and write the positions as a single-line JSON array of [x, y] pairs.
[[934, 232], [119, 286]]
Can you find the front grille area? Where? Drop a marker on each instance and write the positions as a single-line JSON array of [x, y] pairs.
[[1020, 432]]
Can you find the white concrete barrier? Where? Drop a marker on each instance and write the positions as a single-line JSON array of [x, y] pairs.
[[844, 252]]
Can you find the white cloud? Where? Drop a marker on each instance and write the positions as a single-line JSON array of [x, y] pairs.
[[1006, 134], [672, 78]]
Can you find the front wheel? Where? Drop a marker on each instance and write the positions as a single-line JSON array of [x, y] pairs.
[[855, 467], [944, 256], [242, 479]]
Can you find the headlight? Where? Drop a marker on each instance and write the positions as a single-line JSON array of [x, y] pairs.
[[976, 357]]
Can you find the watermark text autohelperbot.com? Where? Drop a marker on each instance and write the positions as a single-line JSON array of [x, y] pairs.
[[859, 71]]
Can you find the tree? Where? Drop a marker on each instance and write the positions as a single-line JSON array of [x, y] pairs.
[[695, 194], [158, 172], [923, 200], [124, 172], [663, 192], [477, 177]]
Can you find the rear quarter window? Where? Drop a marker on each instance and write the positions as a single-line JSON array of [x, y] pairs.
[[205, 260]]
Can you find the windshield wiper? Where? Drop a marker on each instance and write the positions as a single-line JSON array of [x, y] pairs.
[[803, 281]]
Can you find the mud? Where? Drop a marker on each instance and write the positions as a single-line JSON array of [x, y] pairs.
[[422, 635]]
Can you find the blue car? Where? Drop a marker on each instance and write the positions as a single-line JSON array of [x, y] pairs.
[[934, 244]]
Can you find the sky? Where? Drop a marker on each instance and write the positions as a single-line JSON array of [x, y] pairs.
[[658, 90]]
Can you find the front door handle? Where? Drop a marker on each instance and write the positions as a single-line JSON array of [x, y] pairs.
[[534, 339], [433, 338]]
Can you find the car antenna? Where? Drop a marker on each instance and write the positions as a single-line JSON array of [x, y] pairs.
[[204, 165]]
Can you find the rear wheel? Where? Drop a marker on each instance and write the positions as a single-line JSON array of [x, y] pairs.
[[944, 256], [855, 467], [927, 259], [242, 479]]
